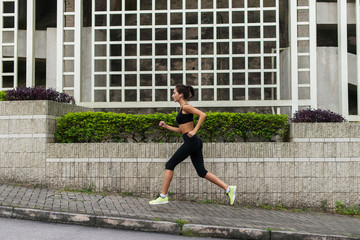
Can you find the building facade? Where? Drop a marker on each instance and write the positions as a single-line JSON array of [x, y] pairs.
[[269, 55]]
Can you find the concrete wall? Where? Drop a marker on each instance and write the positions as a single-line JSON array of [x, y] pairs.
[[25, 129], [321, 162], [328, 95]]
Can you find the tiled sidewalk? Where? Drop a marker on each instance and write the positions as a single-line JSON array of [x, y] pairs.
[[194, 213]]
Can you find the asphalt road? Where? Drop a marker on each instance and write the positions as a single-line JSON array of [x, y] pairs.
[[13, 229]]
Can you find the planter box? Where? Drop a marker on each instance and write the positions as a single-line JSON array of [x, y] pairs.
[[322, 162]]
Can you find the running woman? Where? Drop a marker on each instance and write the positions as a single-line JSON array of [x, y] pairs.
[[192, 145]]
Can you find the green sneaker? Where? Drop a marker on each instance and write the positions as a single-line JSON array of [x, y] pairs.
[[232, 194], [159, 200]]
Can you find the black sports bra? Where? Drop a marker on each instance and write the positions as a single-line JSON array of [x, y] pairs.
[[184, 118]]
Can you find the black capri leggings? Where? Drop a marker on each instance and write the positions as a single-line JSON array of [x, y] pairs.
[[193, 147]]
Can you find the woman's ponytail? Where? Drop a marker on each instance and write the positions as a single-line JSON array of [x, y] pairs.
[[191, 91], [187, 91]]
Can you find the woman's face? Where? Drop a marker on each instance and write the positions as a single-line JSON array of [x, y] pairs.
[[176, 96]]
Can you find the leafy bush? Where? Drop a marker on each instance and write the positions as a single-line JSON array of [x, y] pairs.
[[2, 95], [37, 93], [112, 127], [317, 115], [343, 209]]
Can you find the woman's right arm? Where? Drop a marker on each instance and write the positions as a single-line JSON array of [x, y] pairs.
[[171, 128]]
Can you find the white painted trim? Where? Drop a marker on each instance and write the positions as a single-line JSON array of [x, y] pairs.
[[30, 43], [342, 53], [249, 103], [354, 118], [6, 136]]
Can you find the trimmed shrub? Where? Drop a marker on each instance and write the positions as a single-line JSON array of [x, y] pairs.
[[37, 93], [112, 127], [317, 115], [2, 95]]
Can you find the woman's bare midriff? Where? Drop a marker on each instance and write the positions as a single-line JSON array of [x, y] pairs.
[[186, 127]]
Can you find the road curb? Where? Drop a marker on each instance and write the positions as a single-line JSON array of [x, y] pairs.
[[137, 224], [89, 220], [285, 235], [159, 226], [226, 232]]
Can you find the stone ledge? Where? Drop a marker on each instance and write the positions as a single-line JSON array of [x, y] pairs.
[[215, 160], [321, 131], [241, 151], [38, 107]]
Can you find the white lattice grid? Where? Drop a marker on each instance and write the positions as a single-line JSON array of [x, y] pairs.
[[8, 41], [303, 54], [113, 84]]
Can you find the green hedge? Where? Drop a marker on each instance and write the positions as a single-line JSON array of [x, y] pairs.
[[218, 127], [2, 95]]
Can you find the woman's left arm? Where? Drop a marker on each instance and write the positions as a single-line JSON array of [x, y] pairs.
[[195, 111]]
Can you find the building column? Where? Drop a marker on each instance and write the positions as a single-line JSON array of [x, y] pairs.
[[78, 49], [357, 6], [342, 59], [293, 55], [59, 45], [30, 43]]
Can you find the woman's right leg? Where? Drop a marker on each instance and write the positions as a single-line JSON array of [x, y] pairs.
[[167, 180]]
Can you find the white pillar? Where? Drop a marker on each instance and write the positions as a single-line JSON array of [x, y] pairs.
[[313, 53], [77, 49], [30, 43], [1, 49], [357, 6], [59, 45], [342, 52], [293, 55]]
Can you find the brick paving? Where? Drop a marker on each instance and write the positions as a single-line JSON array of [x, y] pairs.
[[195, 213]]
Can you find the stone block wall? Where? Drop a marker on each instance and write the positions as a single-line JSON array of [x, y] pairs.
[[25, 129], [321, 162], [297, 175]]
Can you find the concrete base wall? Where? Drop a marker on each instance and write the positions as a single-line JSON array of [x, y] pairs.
[[321, 162], [25, 129], [296, 174]]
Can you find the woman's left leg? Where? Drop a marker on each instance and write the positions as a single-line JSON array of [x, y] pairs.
[[198, 162], [215, 179]]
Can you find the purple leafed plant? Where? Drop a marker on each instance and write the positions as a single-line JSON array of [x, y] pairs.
[[38, 93], [317, 115]]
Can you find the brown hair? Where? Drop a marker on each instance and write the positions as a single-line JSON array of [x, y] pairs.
[[186, 90]]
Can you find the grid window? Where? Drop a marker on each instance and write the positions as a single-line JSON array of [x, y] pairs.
[[228, 50]]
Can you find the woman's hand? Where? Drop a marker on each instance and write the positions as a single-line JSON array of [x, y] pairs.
[[162, 124], [191, 134]]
